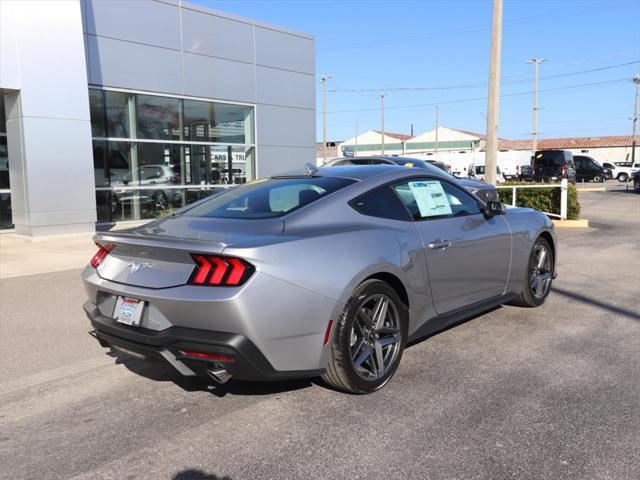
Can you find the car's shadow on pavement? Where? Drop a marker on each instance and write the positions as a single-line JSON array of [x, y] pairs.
[[193, 474], [161, 372]]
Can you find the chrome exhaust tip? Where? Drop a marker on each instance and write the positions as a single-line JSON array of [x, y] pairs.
[[220, 375]]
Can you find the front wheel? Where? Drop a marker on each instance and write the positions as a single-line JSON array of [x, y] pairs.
[[538, 276], [369, 339], [623, 177], [597, 179], [636, 184]]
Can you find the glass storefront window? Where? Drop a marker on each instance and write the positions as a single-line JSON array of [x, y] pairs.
[[96, 109], [100, 163], [217, 122], [121, 164], [5, 193], [171, 152], [6, 220], [231, 165], [158, 117], [118, 118], [197, 164], [159, 163]]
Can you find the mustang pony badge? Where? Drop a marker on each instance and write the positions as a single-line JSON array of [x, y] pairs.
[[134, 267]]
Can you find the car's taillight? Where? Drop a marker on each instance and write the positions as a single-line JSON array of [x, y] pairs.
[[220, 271], [103, 251], [563, 171]]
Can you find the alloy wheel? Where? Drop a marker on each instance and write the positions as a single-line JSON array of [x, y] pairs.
[[540, 271], [375, 337]]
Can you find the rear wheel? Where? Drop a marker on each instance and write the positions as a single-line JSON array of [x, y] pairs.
[[636, 184], [538, 276], [369, 339]]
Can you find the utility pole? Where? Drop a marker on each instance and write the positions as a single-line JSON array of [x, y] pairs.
[[534, 134], [634, 138], [324, 79], [493, 104], [355, 152], [382, 95], [437, 124]]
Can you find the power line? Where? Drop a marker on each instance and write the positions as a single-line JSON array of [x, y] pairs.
[[475, 99], [474, 85]]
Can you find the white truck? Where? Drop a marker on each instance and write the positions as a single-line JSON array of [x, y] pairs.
[[623, 171]]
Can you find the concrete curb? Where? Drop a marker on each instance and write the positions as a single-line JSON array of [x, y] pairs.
[[591, 189], [580, 223]]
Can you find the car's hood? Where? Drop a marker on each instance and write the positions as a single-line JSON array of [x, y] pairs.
[[471, 183]]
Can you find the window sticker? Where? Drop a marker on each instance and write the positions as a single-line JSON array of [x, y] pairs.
[[431, 198]]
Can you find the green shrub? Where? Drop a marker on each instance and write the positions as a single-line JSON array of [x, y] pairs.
[[543, 199]]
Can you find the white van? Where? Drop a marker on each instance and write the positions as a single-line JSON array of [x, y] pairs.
[[477, 170]]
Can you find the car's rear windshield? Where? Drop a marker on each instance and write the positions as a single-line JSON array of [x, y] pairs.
[[268, 198]]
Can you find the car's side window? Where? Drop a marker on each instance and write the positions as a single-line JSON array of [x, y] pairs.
[[429, 198], [381, 202]]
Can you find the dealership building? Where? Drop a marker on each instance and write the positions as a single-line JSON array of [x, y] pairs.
[[114, 111]]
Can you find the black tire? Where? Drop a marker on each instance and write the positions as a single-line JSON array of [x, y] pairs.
[[160, 202], [528, 297], [636, 184], [341, 373], [597, 179], [623, 177]]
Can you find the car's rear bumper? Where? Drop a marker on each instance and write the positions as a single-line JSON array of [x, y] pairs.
[[247, 361]]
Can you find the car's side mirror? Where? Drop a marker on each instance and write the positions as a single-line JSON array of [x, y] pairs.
[[493, 208]]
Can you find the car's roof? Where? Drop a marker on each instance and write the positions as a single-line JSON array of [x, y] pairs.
[[356, 172]]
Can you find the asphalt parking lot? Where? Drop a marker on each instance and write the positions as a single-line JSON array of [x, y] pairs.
[[516, 393]]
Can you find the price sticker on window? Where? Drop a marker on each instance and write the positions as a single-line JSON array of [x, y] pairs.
[[431, 198]]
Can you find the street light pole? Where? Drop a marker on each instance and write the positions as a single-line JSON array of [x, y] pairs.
[[493, 104], [534, 134], [324, 79], [382, 95], [634, 138]]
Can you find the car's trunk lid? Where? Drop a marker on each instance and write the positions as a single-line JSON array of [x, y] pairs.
[[158, 254]]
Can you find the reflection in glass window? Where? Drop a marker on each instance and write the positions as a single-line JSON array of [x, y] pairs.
[[208, 147], [158, 117], [231, 165], [119, 163], [148, 203], [96, 110], [216, 122], [117, 109], [231, 124], [100, 163], [197, 164], [159, 163]]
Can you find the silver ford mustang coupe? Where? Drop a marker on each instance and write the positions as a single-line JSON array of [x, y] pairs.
[[323, 272]]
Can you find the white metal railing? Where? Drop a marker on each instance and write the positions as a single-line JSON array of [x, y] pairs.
[[563, 186]]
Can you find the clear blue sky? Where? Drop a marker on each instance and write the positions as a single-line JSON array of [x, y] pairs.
[[391, 44]]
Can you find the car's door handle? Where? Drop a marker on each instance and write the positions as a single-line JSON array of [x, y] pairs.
[[439, 244]]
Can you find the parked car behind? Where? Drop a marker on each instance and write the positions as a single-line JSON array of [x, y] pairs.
[[636, 181], [526, 173], [154, 195], [477, 171], [587, 169], [552, 165], [623, 171], [484, 191]]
